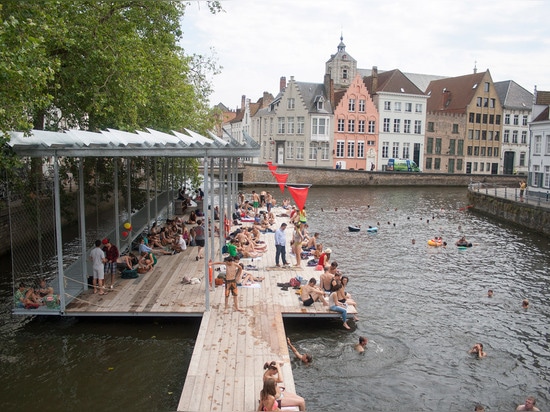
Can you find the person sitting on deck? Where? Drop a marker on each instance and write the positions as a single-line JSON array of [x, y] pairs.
[[311, 293], [337, 306], [326, 280], [127, 262], [284, 397], [324, 258], [26, 297], [267, 396], [43, 288], [192, 218]]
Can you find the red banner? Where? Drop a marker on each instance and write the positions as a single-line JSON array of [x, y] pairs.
[[299, 194], [281, 179], [272, 167]]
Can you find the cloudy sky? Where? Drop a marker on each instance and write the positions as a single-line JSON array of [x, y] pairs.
[[258, 41]]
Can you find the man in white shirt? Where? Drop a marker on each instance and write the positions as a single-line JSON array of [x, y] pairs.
[[280, 245]]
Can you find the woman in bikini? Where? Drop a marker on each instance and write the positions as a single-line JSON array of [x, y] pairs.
[[285, 398], [267, 396]]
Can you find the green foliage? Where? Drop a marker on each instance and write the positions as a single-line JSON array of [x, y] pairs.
[[96, 65]]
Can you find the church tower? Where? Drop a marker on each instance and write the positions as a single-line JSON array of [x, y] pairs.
[[341, 68]]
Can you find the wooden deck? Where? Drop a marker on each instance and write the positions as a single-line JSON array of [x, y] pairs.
[[226, 368]]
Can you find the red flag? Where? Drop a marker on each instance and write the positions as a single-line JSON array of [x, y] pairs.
[[281, 179], [272, 167], [299, 194]]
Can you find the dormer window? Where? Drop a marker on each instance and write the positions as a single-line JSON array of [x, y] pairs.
[[319, 102]]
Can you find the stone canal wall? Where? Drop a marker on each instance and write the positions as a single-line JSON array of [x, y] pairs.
[[255, 174], [531, 216]]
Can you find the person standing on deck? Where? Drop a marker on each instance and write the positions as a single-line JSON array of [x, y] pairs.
[[280, 245], [111, 255], [233, 271], [255, 201], [199, 238], [98, 260]]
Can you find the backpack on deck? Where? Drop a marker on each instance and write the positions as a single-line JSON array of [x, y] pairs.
[[129, 274]]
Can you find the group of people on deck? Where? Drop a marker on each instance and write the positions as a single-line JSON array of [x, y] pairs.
[[33, 297]]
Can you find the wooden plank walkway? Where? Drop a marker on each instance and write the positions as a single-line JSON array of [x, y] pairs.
[[226, 368]]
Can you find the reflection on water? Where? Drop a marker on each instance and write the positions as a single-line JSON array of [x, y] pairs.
[[422, 308]]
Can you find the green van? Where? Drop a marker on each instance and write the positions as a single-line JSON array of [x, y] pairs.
[[402, 165]]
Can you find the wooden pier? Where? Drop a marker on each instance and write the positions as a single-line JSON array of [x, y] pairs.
[[226, 368]]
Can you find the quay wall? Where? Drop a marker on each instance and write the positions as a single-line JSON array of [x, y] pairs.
[[255, 174], [532, 217]]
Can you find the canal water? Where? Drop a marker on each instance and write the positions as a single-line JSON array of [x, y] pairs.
[[421, 308]]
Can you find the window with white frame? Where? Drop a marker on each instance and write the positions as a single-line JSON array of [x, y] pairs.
[[506, 136], [524, 137], [361, 149], [507, 119], [408, 107], [300, 150], [418, 107], [547, 176], [548, 144], [271, 125], [351, 148], [406, 150], [265, 126], [291, 102], [395, 150], [516, 119], [319, 126], [361, 126], [290, 125], [313, 148], [387, 105], [537, 147], [372, 126], [362, 105], [397, 106], [418, 127], [351, 125], [324, 150], [340, 148], [522, 157], [524, 120], [397, 125], [515, 136], [341, 125], [385, 149], [280, 125], [407, 126], [289, 149], [300, 123], [386, 124], [351, 105], [536, 175]]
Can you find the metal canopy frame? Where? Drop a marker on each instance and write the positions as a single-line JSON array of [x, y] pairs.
[[120, 144]]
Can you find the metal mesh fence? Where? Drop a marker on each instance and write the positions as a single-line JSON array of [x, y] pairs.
[[32, 228]]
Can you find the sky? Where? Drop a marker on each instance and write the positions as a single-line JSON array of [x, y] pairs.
[[256, 42]]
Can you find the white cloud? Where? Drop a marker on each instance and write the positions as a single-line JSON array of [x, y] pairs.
[[257, 42]]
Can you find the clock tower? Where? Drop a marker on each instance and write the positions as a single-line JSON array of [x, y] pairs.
[[341, 67]]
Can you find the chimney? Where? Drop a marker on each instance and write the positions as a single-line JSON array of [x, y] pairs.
[[374, 79], [282, 83], [445, 97], [243, 102]]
